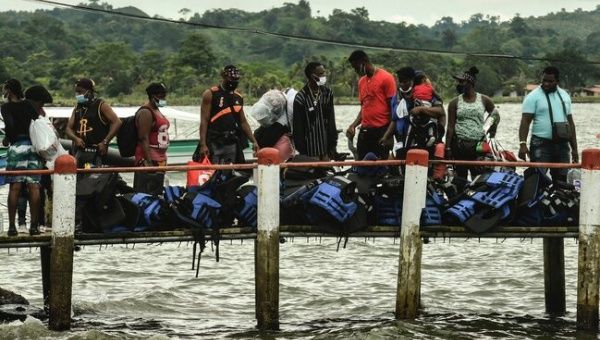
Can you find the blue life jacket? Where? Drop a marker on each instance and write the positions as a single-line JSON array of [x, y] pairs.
[[432, 213], [496, 190], [150, 207], [387, 209], [246, 210], [336, 197], [198, 210], [173, 193]]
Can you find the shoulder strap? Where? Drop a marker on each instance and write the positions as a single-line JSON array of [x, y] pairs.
[[563, 103], [135, 116], [550, 109]]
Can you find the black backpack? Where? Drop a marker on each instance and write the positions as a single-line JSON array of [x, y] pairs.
[[127, 137]]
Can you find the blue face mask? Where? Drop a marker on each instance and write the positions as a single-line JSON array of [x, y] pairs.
[[160, 102], [81, 99]]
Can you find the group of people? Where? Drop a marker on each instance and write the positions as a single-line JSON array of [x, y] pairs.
[[396, 115]]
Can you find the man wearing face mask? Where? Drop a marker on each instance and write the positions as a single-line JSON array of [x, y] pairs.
[[376, 88], [553, 137], [466, 122], [92, 125], [152, 128], [223, 124], [314, 129]]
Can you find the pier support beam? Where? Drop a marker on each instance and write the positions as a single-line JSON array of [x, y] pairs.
[[267, 241], [588, 266], [63, 230], [45, 262], [408, 292], [554, 276]]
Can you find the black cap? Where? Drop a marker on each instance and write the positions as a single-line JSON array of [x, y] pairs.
[[38, 93], [156, 88], [86, 83]]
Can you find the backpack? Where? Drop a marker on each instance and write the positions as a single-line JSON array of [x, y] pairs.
[[127, 137]]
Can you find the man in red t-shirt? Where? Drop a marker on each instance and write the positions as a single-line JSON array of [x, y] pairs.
[[376, 88]]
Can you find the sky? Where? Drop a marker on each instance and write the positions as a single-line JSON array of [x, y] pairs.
[[413, 12]]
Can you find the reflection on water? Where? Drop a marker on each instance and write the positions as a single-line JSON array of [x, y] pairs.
[[470, 289]]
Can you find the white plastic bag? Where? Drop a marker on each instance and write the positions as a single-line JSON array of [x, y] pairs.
[[44, 139], [51, 157], [270, 107]]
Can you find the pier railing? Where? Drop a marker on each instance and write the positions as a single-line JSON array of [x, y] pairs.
[[57, 250]]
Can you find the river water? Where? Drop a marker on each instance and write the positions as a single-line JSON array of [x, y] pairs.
[[471, 289]]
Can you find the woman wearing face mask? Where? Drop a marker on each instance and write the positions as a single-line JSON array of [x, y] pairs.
[[18, 114], [314, 129], [152, 128], [465, 122]]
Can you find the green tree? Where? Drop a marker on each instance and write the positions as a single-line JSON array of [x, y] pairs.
[[195, 51]]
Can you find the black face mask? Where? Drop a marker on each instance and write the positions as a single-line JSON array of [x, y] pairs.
[[231, 85], [460, 89]]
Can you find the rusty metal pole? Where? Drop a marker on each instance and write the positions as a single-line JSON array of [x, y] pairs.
[[63, 232], [267, 241], [408, 292], [588, 266]]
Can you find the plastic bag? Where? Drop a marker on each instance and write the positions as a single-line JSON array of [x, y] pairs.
[[199, 177], [44, 139], [58, 150], [270, 107]]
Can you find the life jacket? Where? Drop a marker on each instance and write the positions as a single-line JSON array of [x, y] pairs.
[[487, 201], [560, 204], [387, 202], [173, 193], [336, 207], [434, 203], [246, 208], [155, 213]]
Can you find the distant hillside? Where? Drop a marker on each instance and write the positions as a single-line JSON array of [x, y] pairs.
[[54, 47]]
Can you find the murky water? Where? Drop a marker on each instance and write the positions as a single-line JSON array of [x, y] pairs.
[[470, 289]]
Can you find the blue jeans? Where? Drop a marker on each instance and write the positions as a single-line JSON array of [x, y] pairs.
[[546, 150]]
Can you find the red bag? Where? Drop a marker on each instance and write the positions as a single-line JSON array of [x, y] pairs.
[[199, 177]]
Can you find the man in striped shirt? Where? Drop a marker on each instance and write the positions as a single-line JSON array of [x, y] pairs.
[[314, 130]]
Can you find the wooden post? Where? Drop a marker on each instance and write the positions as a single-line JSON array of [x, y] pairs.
[[63, 230], [267, 241], [409, 271], [588, 267], [554, 276], [45, 262]]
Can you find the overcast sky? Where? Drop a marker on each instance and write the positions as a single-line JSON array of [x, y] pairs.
[[415, 12]]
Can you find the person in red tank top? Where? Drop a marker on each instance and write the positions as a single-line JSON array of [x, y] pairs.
[[152, 128]]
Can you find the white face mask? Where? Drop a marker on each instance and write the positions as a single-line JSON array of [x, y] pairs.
[[322, 81]]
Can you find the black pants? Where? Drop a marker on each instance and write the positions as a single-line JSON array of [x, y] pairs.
[[465, 150], [368, 141]]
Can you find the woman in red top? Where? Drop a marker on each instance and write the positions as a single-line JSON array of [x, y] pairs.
[[152, 128]]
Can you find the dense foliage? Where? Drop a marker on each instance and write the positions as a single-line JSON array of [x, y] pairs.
[[54, 47]]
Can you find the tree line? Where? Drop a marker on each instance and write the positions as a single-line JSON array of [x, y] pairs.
[[55, 47]]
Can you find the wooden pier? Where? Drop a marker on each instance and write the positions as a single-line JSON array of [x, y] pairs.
[[57, 248]]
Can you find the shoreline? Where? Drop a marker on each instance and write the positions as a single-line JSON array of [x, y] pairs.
[[193, 101]]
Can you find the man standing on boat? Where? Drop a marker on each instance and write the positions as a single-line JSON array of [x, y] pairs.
[[223, 124], [92, 125], [376, 88], [553, 136], [315, 134]]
